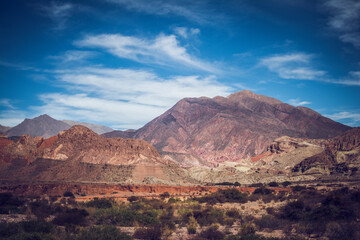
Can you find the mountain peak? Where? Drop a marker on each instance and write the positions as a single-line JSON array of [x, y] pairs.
[[246, 94]]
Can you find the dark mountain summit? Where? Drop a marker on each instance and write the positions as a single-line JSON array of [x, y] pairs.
[[43, 125], [207, 131]]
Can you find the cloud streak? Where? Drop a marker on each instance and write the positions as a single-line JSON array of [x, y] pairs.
[[297, 102], [59, 13], [195, 11], [345, 20], [163, 50], [292, 66]]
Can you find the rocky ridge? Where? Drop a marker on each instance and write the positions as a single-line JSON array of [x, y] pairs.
[[79, 154], [208, 131]]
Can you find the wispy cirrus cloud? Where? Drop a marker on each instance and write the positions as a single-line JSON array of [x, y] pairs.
[[186, 32], [5, 102], [345, 19], [163, 50], [297, 102], [59, 13], [292, 66], [353, 118], [74, 56], [195, 11]]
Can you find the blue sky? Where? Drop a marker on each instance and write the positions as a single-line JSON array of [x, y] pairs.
[[121, 63]]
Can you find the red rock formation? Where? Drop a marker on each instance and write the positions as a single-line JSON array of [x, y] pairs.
[[79, 154], [205, 131]]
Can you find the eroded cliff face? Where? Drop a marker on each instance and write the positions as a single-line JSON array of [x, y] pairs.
[[341, 156], [208, 131], [79, 154]]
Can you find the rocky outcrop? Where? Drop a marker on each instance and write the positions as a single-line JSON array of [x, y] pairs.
[[207, 131], [99, 129], [79, 154], [341, 156]]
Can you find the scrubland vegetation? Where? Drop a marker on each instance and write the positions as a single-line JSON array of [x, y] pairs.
[[298, 214]]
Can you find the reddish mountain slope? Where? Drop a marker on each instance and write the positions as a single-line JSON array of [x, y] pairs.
[[205, 131], [79, 154]]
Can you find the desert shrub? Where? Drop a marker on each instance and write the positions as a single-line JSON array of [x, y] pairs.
[[224, 195], [263, 191], [9, 229], [292, 210], [165, 195], [237, 184], [102, 233], [233, 213], [133, 199], [208, 216], [68, 194], [30, 236], [340, 230], [191, 230], [247, 229], [167, 219], [153, 233], [212, 233], [273, 184], [10, 204], [39, 226], [173, 200], [298, 188], [257, 185], [126, 217], [41, 209], [268, 221], [286, 183], [72, 216], [100, 203]]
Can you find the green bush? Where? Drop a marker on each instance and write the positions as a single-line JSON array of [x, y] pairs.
[[102, 233], [226, 195], [41, 209], [68, 194], [212, 234], [100, 203], [153, 233], [30, 236], [263, 191], [133, 199], [72, 216], [273, 184], [39, 226]]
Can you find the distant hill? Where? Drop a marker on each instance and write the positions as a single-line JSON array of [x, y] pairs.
[[99, 129], [208, 131], [43, 125], [46, 126], [4, 129]]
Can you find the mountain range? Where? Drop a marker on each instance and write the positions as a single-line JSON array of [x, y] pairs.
[[244, 137], [208, 131]]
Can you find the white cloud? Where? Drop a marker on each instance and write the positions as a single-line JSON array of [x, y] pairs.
[[122, 98], [292, 66], [58, 13], [6, 103], [354, 118], [163, 50], [186, 32], [192, 10], [12, 117], [74, 56], [352, 80], [345, 19], [297, 102]]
